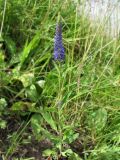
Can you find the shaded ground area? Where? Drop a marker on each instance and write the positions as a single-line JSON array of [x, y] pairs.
[[32, 148], [23, 147]]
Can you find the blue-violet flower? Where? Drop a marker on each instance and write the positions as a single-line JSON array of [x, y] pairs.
[[59, 51]]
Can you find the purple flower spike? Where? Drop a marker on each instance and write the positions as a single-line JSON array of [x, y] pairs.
[[59, 52]]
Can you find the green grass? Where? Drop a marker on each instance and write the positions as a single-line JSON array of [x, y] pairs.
[[58, 101]]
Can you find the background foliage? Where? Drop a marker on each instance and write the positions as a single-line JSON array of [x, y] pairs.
[[73, 104]]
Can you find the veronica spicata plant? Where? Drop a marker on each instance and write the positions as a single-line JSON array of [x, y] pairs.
[[59, 51]]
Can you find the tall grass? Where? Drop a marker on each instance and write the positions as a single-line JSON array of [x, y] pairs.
[[82, 93]]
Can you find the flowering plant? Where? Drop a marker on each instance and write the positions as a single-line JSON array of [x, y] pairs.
[[59, 51]]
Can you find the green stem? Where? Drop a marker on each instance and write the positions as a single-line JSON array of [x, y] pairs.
[[3, 19]]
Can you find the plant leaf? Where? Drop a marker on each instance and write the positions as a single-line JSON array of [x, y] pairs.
[[48, 118], [98, 119], [49, 152], [36, 122], [10, 44], [27, 49]]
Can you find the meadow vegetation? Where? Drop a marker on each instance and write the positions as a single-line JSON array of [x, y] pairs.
[[57, 110]]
